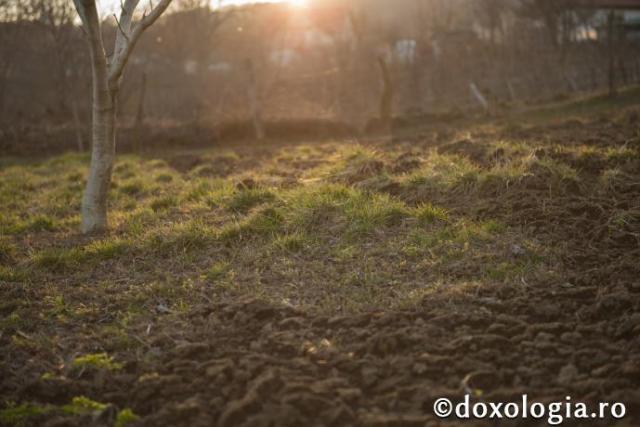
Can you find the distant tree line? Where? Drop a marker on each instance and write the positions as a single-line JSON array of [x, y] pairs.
[[355, 61]]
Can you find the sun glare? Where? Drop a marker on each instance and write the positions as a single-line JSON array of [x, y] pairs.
[[298, 3]]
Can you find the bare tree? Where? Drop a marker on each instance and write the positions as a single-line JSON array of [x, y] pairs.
[[490, 16], [551, 12], [107, 77], [197, 22]]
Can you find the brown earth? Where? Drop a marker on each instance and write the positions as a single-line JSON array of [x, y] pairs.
[[250, 363], [245, 362]]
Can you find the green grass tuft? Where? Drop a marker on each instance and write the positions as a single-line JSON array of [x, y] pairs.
[[165, 178], [267, 221], [96, 361], [427, 214], [125, 417], [369, 213], [21, 415], [40, 223], [12, 274], [81, 405], [180, 238], [8, 252], [293, 242], [133, 188], [101, 250], [58, 259], [164, 203], [244, 200], [218, 271]]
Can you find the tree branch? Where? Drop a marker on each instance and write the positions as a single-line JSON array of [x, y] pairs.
[[123, 51], [120, 27], [88, 13], [124, 25], [80, 8]]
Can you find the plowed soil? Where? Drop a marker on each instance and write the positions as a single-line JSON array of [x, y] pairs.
[[250, 363], [243, 361]]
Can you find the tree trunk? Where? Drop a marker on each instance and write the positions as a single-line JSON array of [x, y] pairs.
[[254, 101], [478, 96], [623, 71], [2, 96], [386, 98], [417, 68], [613, 90], [94, 201], [106, 77], [4, 74]]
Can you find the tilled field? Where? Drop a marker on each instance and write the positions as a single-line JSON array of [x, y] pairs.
[[568, 326], [253, 364]]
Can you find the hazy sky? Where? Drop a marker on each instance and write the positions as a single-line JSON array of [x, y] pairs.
[[112, 5]]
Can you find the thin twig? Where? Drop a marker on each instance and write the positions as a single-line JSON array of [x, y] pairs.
[[121, 29]]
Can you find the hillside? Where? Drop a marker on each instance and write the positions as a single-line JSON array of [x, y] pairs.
[[330, 282]]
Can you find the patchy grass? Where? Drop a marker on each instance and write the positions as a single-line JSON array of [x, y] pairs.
[[178, 238], [330, 228], [125, 417], [8, 252], [293, 242], [244, 200], [33, 224], [21, 415], [164, 203], [81, 405], [427, 214], [218, 272], [369, 210], [584, 106], [61, 259], [133, 188], [96, 361]]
